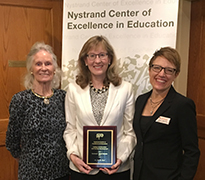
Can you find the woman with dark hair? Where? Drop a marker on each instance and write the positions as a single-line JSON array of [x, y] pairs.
[[165, 124], [37, 120], [99, 97]]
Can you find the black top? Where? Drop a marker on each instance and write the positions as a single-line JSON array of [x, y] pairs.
[[168, 149], [35, 135], [144, 122]]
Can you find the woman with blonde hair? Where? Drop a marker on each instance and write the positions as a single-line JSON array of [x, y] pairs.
[[99, 97]]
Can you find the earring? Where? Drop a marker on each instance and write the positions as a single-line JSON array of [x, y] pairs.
[[31, 73], [54, 72], [86, 65]]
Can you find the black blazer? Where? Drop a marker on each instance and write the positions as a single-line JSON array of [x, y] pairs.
[[167, 151]]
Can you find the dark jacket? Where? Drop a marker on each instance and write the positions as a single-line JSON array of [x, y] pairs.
[[167, 151]]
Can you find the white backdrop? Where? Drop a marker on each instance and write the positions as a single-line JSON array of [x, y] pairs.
[[135, 28]]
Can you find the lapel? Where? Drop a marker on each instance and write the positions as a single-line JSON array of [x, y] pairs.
[[110, 101], [163, 107], [140, 104], [86, 101]]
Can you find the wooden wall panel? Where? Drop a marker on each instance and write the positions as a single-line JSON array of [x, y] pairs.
[[21, 27], [200, 171], [3, 128], [23, 22], [9, 168], [196, 75]]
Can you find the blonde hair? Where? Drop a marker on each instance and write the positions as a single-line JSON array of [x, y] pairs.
[[29, 78], [84, 75]]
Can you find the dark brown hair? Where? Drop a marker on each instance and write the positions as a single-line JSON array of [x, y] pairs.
[[170, 54]]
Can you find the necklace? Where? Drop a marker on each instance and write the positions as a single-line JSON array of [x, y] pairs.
[[45, 98], [99, 91], [155, 104]]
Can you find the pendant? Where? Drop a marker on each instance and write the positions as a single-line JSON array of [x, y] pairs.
[[151, 112], [46, 101]]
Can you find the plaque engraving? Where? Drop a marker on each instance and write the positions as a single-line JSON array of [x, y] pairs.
[[99, 146]]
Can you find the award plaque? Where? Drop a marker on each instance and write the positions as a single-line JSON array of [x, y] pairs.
[[100, 146]]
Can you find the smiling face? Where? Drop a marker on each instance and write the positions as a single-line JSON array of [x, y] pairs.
[[97, 66], [161, 82], [42, 67]]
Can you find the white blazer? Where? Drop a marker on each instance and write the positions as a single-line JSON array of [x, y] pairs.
[[119, 111]]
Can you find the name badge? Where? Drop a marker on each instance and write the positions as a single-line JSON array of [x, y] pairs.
[[163, 120]]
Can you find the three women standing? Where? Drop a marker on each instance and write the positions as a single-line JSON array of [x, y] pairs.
[[164, 120]]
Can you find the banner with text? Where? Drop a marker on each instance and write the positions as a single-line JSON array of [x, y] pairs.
[[135, 28]]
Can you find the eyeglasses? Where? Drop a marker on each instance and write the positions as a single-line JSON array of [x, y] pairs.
[[92, 56], [167, 70]]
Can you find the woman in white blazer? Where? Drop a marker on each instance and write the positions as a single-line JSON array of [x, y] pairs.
[[99, 97]]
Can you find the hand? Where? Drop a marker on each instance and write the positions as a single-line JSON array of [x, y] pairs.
[[114, 168], [82, 167]]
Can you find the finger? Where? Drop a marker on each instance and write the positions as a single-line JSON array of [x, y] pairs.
[[110, 171], [86, 169], [106, 170], [117, 164], [103, 169]]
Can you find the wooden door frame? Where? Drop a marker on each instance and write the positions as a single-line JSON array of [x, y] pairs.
[[55, 8]]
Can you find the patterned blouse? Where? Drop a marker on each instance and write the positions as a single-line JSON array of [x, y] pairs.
[[35, 135], [98, 102]]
